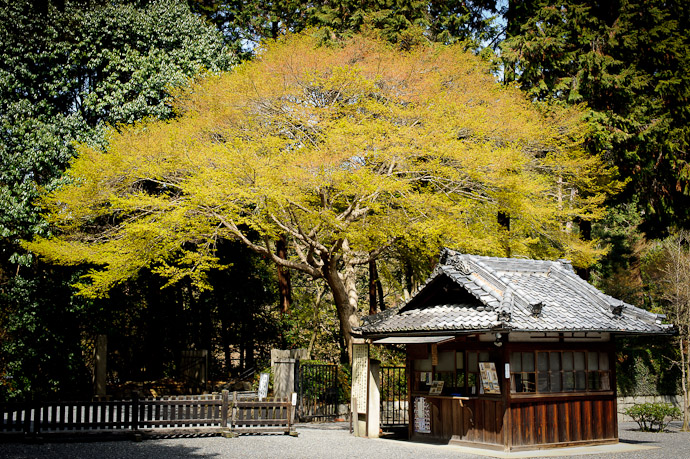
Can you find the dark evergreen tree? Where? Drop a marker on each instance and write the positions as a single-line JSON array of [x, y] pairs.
[[245, 24], [66, 70], [629, 61]]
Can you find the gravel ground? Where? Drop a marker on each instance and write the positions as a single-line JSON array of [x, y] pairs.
[[314, 441]]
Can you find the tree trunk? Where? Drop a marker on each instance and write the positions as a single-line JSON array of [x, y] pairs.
[[315, 323], [407, 272], [345, 303], [379, 287], [284, 286], [685, 365], [373, 279], [503, 219], [375, 289]]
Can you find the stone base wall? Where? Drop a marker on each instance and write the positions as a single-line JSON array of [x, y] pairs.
[[625, 402]]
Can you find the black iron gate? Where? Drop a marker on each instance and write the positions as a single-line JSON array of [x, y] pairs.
[[318, 392], [394, 410]]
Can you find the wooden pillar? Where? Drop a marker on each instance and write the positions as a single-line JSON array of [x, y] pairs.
[[409, 371], [224, 409], [507, 413], [374, 399]]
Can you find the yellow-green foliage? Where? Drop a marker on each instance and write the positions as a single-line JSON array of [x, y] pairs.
[[361, 144]]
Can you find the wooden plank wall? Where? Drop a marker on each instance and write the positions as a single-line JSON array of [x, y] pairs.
[[476, 420], [537, 422]]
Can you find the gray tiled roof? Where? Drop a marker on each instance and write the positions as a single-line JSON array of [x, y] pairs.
[[513, 294]]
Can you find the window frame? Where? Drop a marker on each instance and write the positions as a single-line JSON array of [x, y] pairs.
[[550, 372]]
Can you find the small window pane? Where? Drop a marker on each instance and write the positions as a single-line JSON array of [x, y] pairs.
[[568, 361], [484, 357], [605, 381], [527, 361], [472, 383], [603, 361], [592, 361], [422, 364], [529, 382], [579, 360], [543, 382], [446, 361], [460, 360], [555, 361], [593, 377], [460, 379], [568, 381], [516, 362], [523, 382], [555, 381], [472, 361], [580, 381], [447, 377], [543, 361]]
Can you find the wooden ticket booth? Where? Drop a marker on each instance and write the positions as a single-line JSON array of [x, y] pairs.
[[510, 354]]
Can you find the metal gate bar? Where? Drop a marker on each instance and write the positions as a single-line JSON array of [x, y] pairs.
[[394, 396], [318, 392]]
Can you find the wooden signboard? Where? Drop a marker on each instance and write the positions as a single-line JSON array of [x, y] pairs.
[[489, 378], [360, 375], [436, 387]]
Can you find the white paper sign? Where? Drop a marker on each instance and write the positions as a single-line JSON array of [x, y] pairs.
[[422, 415], [263, 386]]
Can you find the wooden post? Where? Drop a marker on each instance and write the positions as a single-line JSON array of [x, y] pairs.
[[233, 417], [506, 396], [135, 410], [225, 397], [409, 374], [374, 399], [291, 414], [355, 416], [27, 419]]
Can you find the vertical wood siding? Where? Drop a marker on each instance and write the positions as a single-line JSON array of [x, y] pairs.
[[563, 421], [477, 420]]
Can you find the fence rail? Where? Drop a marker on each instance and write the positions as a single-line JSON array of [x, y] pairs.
[[147, 415]]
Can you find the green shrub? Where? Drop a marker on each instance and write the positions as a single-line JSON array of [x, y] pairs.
[[653, 417]]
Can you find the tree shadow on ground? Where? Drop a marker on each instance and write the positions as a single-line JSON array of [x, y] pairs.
[[104, 450]]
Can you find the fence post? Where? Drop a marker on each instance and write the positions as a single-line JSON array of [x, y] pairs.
[[224, 408], [27, 417], [233, 417], [135, 410]]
